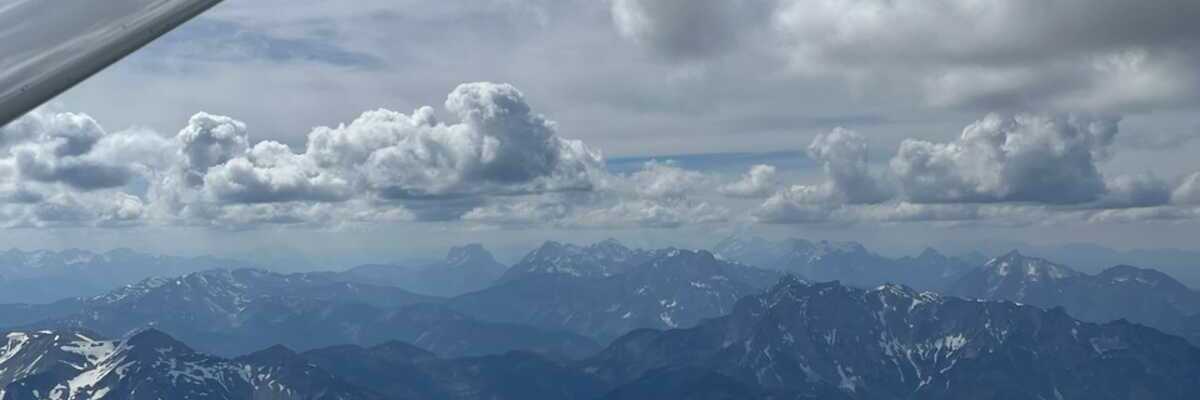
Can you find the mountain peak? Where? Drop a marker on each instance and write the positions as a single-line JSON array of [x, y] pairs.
[[398, 350], [1031, 268], [1127, 274], [154, 339], [275, 355], [682, 257], [845, 247], [610, 242], [467, 253], [609, 248], [930, 254], [1014, 253], [549, 248]]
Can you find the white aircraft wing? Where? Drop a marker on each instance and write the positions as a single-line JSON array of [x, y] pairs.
[[48, 46]]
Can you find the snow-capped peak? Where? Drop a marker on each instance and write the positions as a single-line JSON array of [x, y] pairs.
[[1014, 264]]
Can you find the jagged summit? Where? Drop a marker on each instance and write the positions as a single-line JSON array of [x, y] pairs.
[[475, 252], [604, 290], [849, 262], [830, 341], [598, 260]]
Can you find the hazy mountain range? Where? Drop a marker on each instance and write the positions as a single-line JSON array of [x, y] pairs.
[[44, 276], [465, 269], [605, 290], [848, 262], [233, 312], [753, 319], [1139, 295], [797, 340], [803, 340], [1183, 265]]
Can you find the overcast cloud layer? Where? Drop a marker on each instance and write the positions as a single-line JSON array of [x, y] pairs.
[[295, 114]]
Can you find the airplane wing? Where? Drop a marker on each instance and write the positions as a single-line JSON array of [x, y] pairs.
[[48, 46]]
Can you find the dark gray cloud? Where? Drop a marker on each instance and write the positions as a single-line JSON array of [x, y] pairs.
[[1014, 54], [691, 29], [80, 174], [74, 150]]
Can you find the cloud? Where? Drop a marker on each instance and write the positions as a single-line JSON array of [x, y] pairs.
[[500, 147], [1162, 141], [384, 159], [541, 211], [660, 195], [271, 173], [1012, 170], [62, 169], [797, 204], [782, 210], [848, 180], [661, 180], [844, 155], [1073, 54], [59, 148], [760, 181], [650, 213], [1142, 215], [1188, 191], [209, 39], [1022, 158], [110, 209], [1131, 191], [670, 27], [208, 141], [502, 165]]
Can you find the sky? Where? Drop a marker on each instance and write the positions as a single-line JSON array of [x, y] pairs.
[[374, 129]]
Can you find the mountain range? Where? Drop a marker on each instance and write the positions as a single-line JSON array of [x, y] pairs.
[[44, 276], [847, 262], [232, 312], [605, 290], [78, 365], [465, 269], [828, 341], [799, 340], [1139, 295], [1181, 264], [605, 321]]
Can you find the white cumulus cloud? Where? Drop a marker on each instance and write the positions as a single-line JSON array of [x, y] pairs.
[[1021, 158], [761, 181]]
